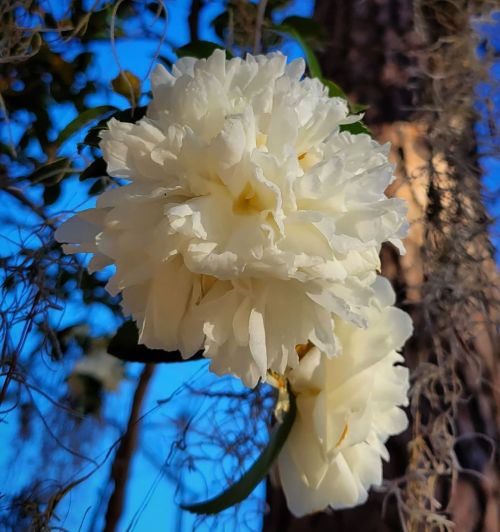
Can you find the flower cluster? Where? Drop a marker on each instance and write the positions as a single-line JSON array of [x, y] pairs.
[[250, 224]]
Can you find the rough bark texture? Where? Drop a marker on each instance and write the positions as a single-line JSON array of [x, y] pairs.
[[414, 63]]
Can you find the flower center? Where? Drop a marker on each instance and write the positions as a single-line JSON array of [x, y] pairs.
[[206, 283], [261, 140], [248, 202], [303, 349]]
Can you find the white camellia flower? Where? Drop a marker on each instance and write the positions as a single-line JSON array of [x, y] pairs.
[[104, 368], [253, 325], [347, 407], [239, 179]]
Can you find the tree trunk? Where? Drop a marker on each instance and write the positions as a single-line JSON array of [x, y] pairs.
[[398, 56]]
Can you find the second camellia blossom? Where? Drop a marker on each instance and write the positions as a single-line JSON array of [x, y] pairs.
[[347, 408], [249, 220]]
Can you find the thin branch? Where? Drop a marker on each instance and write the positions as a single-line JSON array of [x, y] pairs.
[[123, 458], [194, 19], [261, 10]]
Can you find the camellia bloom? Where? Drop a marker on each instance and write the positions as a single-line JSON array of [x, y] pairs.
[[104, 368], [347, 407], [240, 179]]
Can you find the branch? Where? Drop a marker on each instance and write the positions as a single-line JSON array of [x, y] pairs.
[[19, 196], [194, 18], [261, 10], [121, 465]]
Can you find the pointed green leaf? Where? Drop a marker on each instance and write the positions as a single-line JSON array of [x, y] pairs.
[[125, 346], [82, 120], [96, 168], [298, 29], [257, 472], [128, 85], [53, 172], [334, 91], [358, 107], [51, 193], [356, 128], [311, 60], [126, 115], [98, 187], [309, 29], [130, 115]]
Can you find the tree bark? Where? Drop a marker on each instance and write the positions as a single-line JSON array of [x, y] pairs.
[[399, 56]]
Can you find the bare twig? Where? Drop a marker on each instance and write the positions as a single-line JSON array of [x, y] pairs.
[[261, 10]]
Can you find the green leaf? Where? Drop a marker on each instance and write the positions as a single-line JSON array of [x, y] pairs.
[[309, 29], [98, 187], [220, 24], [356, 128], [200, 49], [125, 346], [96, 168], [53, 172], [130, 115], [51, 193], [311, 60], [300, 29], [358, 107], [128, 85], [257, 472], [82, 120], [92, 138], [334, 91]]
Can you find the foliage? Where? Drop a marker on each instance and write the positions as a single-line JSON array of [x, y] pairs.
[[241, 489]]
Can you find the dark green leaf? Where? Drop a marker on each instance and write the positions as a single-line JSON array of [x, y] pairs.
[[311, 60], [306, 27], [128, 85], [82, 120], [97, 188], [51, 194], [92, 138], [257, 472], [334, 91], [125, 346], [356, 128], [96, 168], [220, 24], [358, 107], [200, 49], [127, 115], [165, 60], [53, 172]]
